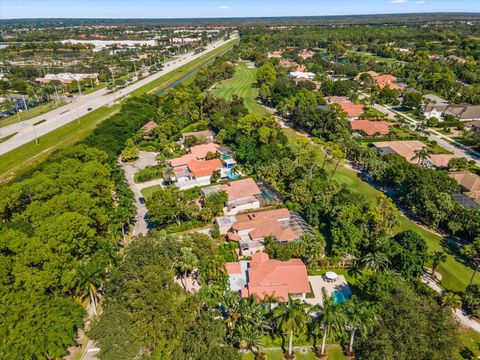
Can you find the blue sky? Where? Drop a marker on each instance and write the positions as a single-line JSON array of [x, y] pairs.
[[221, 8]]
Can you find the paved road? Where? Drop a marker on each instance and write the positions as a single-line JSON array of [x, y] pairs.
[[144, 159], [457, 149], [79, 107]]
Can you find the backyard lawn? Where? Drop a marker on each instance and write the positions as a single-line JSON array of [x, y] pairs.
[[456, 275], [334, 353]]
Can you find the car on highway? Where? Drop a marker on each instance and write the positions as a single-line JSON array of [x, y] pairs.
[[89, 109]]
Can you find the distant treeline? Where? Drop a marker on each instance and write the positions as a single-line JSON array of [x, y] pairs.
[[293, 20]]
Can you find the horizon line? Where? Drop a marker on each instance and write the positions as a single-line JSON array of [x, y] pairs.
[[252, 17]]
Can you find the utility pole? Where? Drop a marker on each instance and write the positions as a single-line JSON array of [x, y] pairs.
[[16, 110]]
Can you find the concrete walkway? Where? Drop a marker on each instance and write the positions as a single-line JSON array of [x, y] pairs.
[[460, 315]]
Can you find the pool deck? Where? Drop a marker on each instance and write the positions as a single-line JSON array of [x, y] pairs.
[[318, 282]]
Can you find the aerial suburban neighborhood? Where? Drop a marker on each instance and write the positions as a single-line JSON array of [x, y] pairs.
[[278, 180]]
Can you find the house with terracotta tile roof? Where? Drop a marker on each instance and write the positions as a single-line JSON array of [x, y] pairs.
[[263, 277], [407, 149], [193, 169], [353, 111], [277, 54], [306, 54], [251, 229], [370, 128], [470, 184], [288, 63], [243, 194], [387, 80]]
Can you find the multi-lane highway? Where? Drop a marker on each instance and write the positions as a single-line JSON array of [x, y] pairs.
[[26, 131]]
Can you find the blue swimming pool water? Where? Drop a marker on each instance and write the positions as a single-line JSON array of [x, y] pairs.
[[231, 175], [340, 296]]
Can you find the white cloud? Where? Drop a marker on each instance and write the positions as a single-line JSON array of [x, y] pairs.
[[399, 1], [224, 7], [421, 2]]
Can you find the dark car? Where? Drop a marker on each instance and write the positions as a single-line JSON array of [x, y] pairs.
[[89, 109]]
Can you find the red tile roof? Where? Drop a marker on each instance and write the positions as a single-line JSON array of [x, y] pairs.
[[267, 277], [371, 127], [352, 110], [197, 152], [233, 268], [204, 168], [386, 80]]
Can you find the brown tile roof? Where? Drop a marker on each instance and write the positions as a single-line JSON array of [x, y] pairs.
[[149, 126], [240, 189], [469, 182], [305, 54], [352, 110], [265, 223], [233, 268], [406, 149]]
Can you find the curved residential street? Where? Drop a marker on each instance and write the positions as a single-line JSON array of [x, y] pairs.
[[26, 131]]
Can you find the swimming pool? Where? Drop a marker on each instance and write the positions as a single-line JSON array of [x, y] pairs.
[[231, 175], [340, 296]]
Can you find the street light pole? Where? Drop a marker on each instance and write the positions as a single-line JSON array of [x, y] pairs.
[[35, 133], [78, 117]]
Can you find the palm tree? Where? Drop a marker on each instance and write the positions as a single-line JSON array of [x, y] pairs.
[[88, 278], [472, 250], [421, 155], [186, 263], [248, 337], [360, 317], [451, 300], [376, 261], [291, 317], [355, 270], [329, 318], [437, 258]]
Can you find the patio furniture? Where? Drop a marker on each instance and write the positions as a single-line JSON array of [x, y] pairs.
[[331, 276]]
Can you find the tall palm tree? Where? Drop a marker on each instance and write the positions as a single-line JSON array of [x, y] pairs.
[[451, 300], [290, 317], [421, 155], [88, 277], [329, 318], [186, 263], [437, 258], [376, 261], [360, 317]]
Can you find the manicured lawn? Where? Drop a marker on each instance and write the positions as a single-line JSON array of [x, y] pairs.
[[244, 85], [334, 353], [469, 345], [35, 111], [26, 157], [148, 191]]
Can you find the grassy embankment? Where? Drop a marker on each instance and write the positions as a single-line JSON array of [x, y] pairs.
[[27, 156], [456, 274], [31, 113]]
